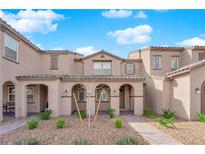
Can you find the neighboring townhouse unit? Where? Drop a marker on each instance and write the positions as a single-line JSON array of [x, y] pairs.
[[157, 77]]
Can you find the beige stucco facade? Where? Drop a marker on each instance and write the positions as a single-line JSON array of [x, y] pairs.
[[57, 76]]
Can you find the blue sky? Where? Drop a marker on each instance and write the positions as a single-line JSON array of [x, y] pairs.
[[116, 31]]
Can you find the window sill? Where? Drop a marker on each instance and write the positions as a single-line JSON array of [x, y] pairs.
[[11, 60], [157, 69], [53, 69], [31, 102]]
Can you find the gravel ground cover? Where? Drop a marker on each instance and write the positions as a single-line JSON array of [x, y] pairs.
[[187, 132], [103, 132]]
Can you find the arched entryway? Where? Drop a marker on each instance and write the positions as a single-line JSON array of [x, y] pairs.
[[9, 100], [126, 92], [102, 91], [79, 91], [36, 98], [203, 98]]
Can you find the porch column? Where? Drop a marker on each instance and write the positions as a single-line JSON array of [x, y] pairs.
[[1, 101], [138, 98], [20, 100], [54, 98], [66, 106], [90, 107], [115, 104]]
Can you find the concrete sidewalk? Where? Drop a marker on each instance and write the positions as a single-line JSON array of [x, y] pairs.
[[150, 133]]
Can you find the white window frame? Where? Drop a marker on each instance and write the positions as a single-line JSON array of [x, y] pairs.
[[160, 62], [128, 69], [17, 48], [172, 58], [102, 67], [107, 91], [33, 87], [9, 94]]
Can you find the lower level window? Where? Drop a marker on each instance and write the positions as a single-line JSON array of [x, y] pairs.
[[82, 95], [104, 93], [30, 94], [11, 93]]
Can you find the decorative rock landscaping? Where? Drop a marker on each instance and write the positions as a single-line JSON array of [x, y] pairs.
[[103, 132]]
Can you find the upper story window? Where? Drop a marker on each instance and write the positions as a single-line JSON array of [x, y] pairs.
[[30, 94], [11, 93], [10, 48], [102, 68], [157, 61], [54, 62], [130, 68], [175, 62]]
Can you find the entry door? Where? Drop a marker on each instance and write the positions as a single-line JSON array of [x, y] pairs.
[[122, 99]]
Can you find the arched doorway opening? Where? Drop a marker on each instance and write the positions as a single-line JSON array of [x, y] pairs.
[[203, 98], [80, 93], [102, 91], [36, 98], [126, 92], [9, 100]]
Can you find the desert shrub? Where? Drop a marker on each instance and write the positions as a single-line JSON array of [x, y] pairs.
[[60, 123], [30, 141], [166, 113], [118, 123], [127, 141], [32, 123], [148, 113], [83, 114], [200, 117], [46, 114], [80, 142], [111, 112], [167, 122]]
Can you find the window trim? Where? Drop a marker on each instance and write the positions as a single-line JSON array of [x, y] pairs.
[[33, 101], [102, 70], [160, 68], [173, 56], [9, 86], [17, 50], [107, 89], [133, 72]]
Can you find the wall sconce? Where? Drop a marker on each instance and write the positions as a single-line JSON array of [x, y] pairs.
[[114, 92], [66, 93], [197, 91]]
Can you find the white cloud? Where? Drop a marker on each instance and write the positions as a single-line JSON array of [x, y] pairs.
[[86, 50], [161, 10], [138, 34], [29, 21], [191, 42], [141, 15], [117, 13]]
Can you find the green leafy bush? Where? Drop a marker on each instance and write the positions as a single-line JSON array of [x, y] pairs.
[[60, 123], [32, 123], [46, 114], [200, 117], [80, 142], [83, 114], [166, 113], [30, 141], [111, 112], [148, 113], [118, 123], [168, 122], [127, 141]]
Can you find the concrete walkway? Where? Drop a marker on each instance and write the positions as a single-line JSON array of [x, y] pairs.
[[150, 133], [9, 127]]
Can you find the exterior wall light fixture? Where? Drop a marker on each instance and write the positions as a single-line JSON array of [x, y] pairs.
[[66, 93], [197, 91]]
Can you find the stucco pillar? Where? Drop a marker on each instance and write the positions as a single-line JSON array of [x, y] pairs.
[[20, 100], [138, 98], [66, 105], [1, 101], [54, 98], [115, 104], [91, 92]]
